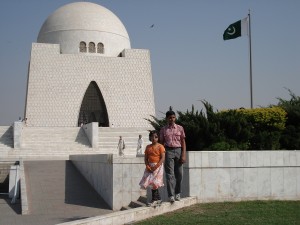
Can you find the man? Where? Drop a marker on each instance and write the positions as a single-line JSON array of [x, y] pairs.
[[172, 136], [140, 144], [121, 146]]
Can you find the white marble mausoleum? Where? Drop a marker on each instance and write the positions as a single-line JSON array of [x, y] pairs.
[[82, 69]]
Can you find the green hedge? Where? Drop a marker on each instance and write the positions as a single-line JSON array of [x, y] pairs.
[[271, 128], [258, 129], [238, 129]]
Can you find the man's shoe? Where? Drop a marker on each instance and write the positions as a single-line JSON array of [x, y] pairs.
[[177, 197], [172, 199]]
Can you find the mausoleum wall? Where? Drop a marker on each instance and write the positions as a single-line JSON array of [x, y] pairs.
[[57, 84]]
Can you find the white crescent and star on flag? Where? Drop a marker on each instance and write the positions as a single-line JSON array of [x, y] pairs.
[[231, 30]]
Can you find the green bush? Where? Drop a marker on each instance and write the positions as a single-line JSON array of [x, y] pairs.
[[266, 127], [290, 138], [236, 129], [220, 146], [275, 127]]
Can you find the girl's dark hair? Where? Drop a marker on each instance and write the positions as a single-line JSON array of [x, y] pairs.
[[152, 132]]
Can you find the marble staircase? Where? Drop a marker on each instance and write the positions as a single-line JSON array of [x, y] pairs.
[[49, 143]]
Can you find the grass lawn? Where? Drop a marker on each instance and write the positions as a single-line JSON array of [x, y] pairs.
[[233, 213]]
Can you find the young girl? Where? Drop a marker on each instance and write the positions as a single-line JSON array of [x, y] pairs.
[[153, 174]]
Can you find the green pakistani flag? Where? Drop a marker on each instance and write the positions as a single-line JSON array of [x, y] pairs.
[[236, 29]]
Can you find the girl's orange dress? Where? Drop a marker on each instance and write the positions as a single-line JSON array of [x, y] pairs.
[[156, 178]]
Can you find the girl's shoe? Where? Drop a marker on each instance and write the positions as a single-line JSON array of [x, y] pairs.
[[152, 204], [159, 202]]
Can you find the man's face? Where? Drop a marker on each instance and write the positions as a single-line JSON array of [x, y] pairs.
[[171, 119]]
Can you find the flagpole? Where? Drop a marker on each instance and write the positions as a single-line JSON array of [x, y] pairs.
[[250, 58]]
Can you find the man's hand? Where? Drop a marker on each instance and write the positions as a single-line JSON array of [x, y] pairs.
[[182, 159]]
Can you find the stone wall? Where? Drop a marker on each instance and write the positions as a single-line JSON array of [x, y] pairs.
[[115, 178], [243, 175], [209, 176]]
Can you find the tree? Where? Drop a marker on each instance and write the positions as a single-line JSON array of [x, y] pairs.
[[290, 138]]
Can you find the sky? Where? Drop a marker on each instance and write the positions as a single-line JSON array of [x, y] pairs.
[[190, 61]]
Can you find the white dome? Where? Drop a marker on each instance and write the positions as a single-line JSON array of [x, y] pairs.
[[85, 22]]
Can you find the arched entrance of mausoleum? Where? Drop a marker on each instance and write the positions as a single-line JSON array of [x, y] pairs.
[[93, 108]]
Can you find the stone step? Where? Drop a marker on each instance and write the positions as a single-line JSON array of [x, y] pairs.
[[51, 128], [4, 170], [123, 134], [6, 137], [52, 150], [116, 132], [52, 132], [4, 128], [114, 143], [141, 202], [63, 151], [45, 130], [54, 143], [6, 145], [136, 204], [143, 199], [35, 158], [53, 137], [124, 129], [8, 142], [132, 138], [110, 136], [56, 148], [48, 138]]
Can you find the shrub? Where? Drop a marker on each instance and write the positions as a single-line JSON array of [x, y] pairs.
[[269, 128], [266, 125], [290, 138]]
